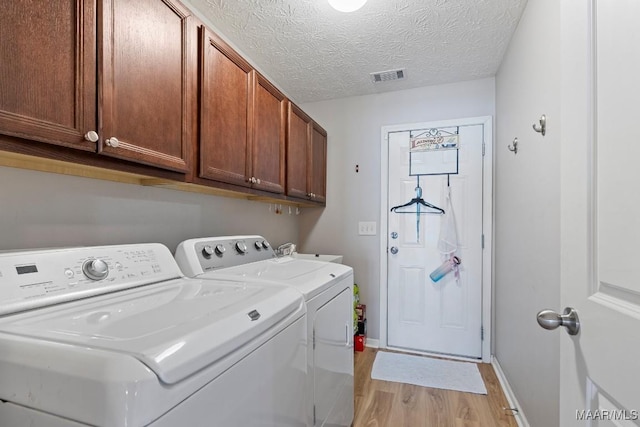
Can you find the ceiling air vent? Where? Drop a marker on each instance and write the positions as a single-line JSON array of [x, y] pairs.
[[385, 76]]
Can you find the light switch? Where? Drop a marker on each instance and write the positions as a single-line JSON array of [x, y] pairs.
[[367, 228]]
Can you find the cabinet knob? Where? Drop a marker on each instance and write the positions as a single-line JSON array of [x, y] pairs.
[[112, 142], [91, 136]]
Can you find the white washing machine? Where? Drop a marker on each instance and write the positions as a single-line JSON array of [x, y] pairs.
[[328, 291], [116, 336]]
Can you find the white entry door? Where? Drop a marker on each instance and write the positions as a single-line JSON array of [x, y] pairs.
[[443, 316], [600, 367]]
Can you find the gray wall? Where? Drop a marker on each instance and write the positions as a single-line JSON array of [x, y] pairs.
[[40, 209], [354, 129], [527, 212]]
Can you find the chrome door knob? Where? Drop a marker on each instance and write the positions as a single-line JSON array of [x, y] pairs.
[[393, 250], [549, 319]]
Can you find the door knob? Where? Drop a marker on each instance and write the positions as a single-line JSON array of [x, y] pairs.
[[393, 250], [549, 319]]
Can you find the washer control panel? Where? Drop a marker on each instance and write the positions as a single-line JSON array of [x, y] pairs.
[[38, 278]]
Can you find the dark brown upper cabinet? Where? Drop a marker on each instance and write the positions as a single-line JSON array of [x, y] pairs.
[[267, 156], [145, 81], [318, 164], [225, 112], [134, 104], [242, 116], [298, 135], [48, 71], [306, 157], [137, 81]]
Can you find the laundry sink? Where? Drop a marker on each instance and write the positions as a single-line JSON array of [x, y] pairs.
[[319, 257]]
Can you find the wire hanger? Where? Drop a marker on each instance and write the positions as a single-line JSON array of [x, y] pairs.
[[418, 202]]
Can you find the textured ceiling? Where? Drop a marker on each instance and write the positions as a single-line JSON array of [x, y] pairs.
[[314, 52]]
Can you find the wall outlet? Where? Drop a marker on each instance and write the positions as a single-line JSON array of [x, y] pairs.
[[367, 228]]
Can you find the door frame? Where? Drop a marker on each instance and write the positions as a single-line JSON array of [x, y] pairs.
[[487, 222]]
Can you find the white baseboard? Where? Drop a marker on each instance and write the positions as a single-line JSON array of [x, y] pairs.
[[373, 343], [508, 392]]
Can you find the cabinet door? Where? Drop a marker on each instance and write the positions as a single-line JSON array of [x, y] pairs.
[[318, 165], [267, 156], [144, 80], [298, 145], [47, 71], [225, 112]]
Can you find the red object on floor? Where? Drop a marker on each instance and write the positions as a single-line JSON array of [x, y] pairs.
[[359, 342]]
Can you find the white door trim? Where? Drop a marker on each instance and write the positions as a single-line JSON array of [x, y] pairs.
[[487, 220]]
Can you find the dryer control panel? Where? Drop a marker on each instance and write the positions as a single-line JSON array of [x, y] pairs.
[[38, 278], [196, 256]]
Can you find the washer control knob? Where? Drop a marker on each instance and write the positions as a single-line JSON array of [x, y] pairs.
[[241, 247], [207, 251], [265, 244], [220, 249], [258, 245], [95, 269]]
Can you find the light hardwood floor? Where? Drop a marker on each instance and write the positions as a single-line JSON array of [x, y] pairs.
[[384, 403]]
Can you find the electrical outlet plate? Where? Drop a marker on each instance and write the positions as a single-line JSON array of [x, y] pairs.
[[367, 228]]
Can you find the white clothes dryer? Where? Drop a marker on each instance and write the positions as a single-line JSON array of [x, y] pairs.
[[328, 291], [116, 336]]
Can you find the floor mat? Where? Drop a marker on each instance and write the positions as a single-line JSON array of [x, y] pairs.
[[428, 372]]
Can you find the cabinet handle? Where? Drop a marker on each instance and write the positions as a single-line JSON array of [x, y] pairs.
[[347, 342], [112, 142], [91, 136]]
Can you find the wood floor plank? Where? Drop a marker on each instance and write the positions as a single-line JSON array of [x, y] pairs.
[[376, 409], [385, 403]]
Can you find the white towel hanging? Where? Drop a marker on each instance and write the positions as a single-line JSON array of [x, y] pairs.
[[448, 239]]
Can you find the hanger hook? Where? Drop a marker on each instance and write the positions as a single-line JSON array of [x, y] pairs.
[[542, 127], [514, 148]]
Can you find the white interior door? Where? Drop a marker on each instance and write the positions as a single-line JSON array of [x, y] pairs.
[[600, 368], [443, 316]]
